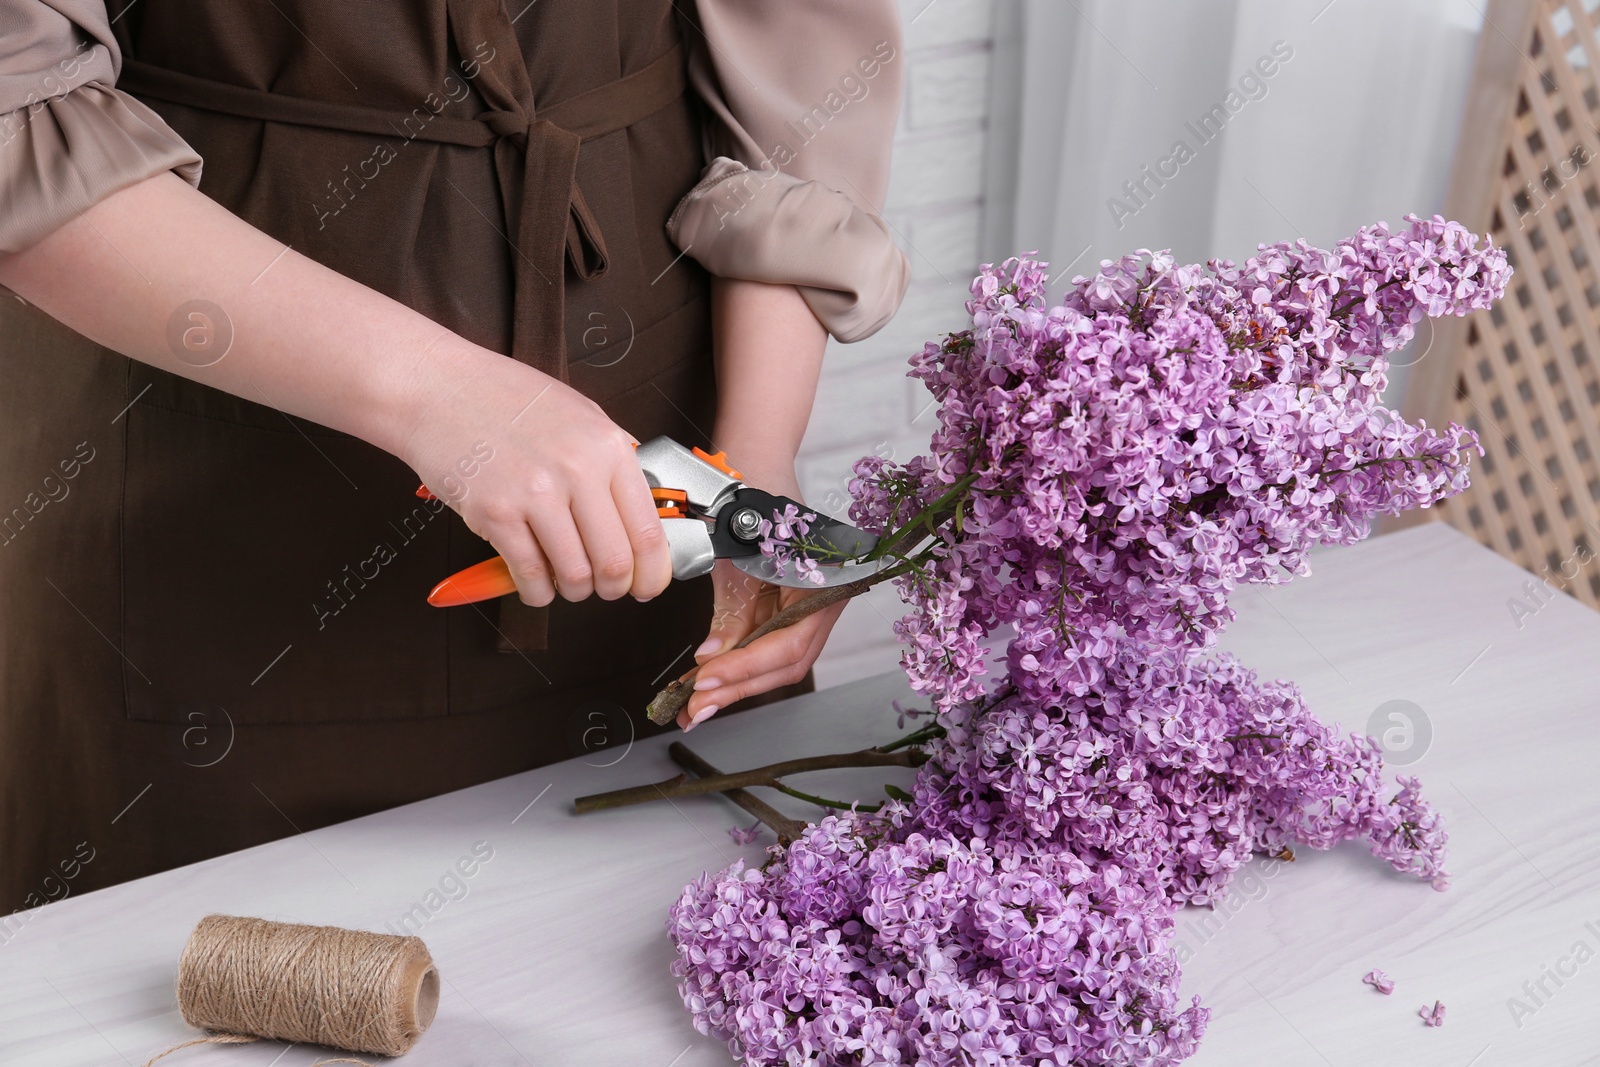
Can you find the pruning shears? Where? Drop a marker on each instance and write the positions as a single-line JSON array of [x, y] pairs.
[[709, 513]]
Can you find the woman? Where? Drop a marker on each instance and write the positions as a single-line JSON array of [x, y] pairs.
[[212, 563]]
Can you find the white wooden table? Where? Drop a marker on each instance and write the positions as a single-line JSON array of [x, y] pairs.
[[556, 953]]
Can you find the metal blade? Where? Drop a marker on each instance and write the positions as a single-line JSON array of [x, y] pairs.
[[837, 541], [833, 574], [833, 544]]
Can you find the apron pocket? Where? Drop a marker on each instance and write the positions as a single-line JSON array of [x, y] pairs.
[[278, 573]]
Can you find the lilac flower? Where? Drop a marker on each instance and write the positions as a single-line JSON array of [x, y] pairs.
[[783, 541], [1161, 436], [1180, 770], [938, 951], [1433, 1016], [745, 835], [1110, 470], [904, 713], [1379, 981]]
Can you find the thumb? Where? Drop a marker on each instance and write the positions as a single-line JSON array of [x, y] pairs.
[[735, 610]]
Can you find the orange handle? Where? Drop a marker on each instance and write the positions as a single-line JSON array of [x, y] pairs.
[[492, 578], [482, 581]]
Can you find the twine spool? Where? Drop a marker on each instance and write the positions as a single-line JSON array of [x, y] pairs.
[[323, 985]]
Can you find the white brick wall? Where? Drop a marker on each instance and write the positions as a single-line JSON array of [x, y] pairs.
[[866, 404]]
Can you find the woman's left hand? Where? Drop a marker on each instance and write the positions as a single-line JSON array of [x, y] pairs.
[[783, 657]]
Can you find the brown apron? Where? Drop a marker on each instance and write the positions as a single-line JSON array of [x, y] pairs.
[[212, 630]]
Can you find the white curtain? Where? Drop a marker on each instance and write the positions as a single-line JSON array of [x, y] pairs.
[[1208, 128]]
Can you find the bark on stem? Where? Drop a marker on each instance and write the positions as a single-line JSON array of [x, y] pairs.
[[786, 828], [683, 786]]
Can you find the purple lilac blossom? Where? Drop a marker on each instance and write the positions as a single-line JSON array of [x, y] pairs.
[[1162, 435], [1129, 457], [783, 542], [873, 942], [903, 713]]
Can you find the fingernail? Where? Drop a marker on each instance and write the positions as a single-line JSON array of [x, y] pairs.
[[708, 646], [702, 684], [705, 713]]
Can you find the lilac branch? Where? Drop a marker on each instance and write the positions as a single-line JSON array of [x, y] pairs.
[[768, 777]]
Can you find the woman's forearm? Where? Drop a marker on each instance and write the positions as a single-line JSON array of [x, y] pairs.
[[769, 349], [309, 341], [564, 500], [305, 339]]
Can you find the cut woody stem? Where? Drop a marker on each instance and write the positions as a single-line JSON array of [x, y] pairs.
[[768, 776], [786, 828]]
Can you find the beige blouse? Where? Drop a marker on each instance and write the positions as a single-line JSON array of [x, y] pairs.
[[803, 100]]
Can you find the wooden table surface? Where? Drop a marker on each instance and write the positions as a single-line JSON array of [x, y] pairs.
[[554, 951]]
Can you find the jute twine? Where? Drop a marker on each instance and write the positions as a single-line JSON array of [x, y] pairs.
[[246, 979]]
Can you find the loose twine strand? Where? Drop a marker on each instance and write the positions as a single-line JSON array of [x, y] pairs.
[[246, 979]]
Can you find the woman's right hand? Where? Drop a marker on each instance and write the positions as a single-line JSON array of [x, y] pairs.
[[540, 472]]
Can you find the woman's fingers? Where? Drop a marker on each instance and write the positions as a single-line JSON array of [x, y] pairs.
[[647, 540], [740, 604], [708, 702], [780, 658], [563, 548], [606, 545], [528, 566]]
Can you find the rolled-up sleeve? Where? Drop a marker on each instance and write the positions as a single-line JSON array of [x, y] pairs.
[[803, 100], [68, 138]]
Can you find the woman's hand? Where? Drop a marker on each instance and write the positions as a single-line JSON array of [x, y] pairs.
[[741, 604], [780, 658], [540, 472]]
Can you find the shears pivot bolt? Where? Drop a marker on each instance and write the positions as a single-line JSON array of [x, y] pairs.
[[745, 524]]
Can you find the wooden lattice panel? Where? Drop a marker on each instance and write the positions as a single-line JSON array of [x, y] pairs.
[[1526, 374]]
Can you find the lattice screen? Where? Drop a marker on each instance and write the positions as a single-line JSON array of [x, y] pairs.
[[1526, 375]]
